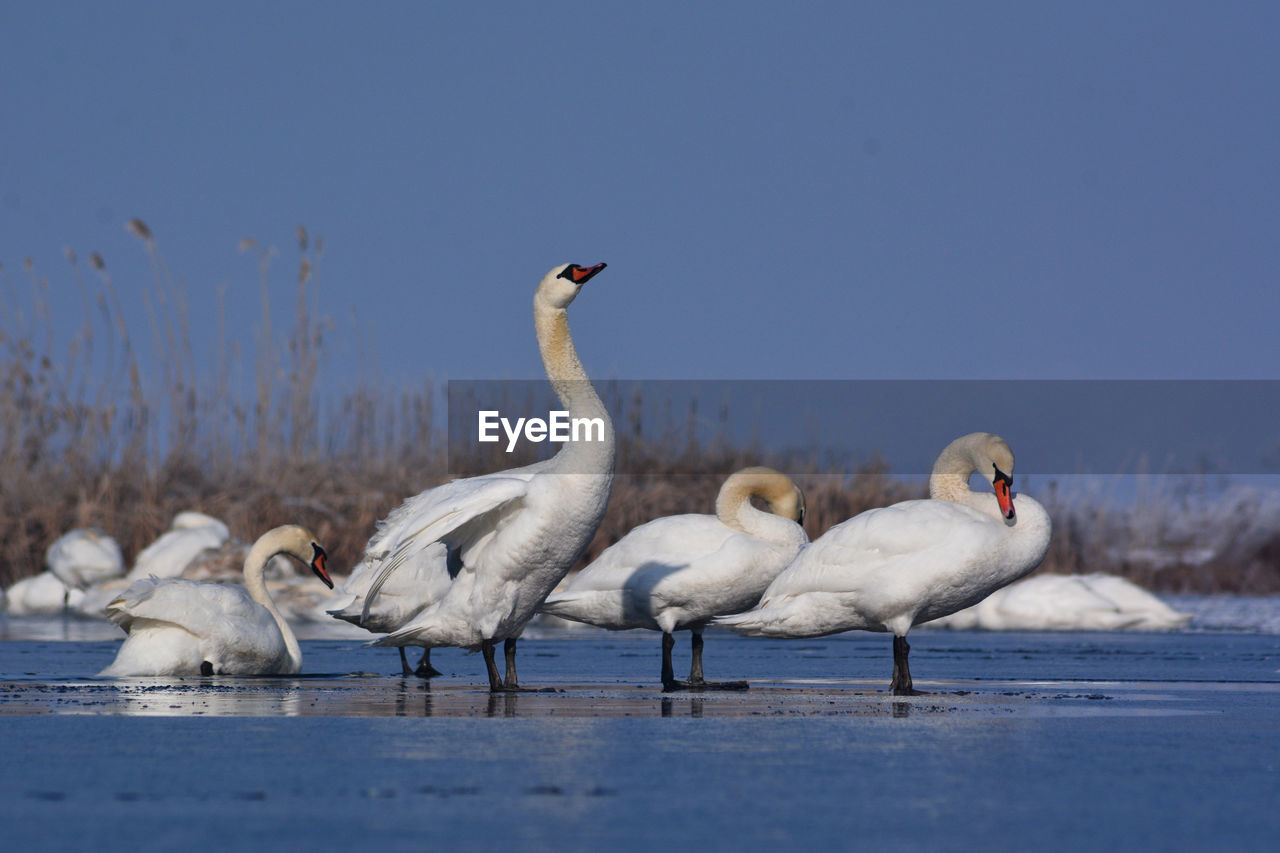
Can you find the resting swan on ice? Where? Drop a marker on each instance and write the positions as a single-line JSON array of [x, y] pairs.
[[182, 627], [890, 568], [681, 571], [491, 548]]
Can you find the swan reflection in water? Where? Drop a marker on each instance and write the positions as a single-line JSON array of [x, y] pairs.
[[156, 697]]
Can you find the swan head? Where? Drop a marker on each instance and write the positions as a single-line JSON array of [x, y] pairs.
[[777, 489], [989, 455], [300, 543], [789, 503], [560, 286], [993, 458]]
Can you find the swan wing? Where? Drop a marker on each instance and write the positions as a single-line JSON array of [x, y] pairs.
[[454, 514], [203, 609], [893, 545], [672, 543]]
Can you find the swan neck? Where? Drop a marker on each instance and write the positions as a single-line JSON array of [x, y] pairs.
[[734, 509], [255, 567], [569, 379], [950, 478]]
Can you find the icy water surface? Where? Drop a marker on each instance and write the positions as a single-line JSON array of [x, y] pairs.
[[1025, 741]]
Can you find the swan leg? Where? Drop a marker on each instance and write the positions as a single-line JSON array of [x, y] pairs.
[[404, 663], [668, 672], [509, 651], [495, 681], [425, 669], [510, 684], [696, 681], [695, 670], [206, 668], [901, 684]]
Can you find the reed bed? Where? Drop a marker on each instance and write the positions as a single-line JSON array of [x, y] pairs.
[[93, 434]]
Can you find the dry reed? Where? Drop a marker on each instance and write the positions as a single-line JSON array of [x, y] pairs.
[[86, 438]]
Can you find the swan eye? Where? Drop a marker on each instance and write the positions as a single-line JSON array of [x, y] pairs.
[[317, 556], [1001, 476], [580, 275]]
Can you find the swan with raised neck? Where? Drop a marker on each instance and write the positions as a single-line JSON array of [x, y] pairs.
[[500, 542]]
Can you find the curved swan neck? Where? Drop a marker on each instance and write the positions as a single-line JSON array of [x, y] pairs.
[[255, 566], [733, 505], [977, 451], [568, 377]]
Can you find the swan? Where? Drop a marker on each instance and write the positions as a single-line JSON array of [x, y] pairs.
[[897, 566], [84, 557], [42, 595], [681, 571], [504, 540], [182, 627], [1093, 602], [189, 534]]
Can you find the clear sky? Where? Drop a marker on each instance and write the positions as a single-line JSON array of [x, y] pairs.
[[781, 190]]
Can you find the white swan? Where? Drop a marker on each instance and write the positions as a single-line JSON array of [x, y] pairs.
[[42, 595], [84, 557], [188, 535], [505, 540], [679, 572], [890, 568], [1093, 602], [182, 627]]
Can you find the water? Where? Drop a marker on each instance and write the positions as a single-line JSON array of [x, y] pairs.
[[1054, 741]]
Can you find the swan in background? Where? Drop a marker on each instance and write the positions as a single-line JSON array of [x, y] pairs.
[[84, 557], [42, 595], [890, 568], [1094, 602], [679, 572], [189, 534], [505, 540], [182, 627]]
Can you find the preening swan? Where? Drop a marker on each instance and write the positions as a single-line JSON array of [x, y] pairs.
[[496, 545], [182, 627], [890, 568], [681, 571]]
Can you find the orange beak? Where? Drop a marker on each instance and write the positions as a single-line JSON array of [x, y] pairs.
[[581, 275], [1004, 495], [317, 566]]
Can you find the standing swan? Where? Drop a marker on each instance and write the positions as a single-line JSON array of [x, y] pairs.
[[890, 568], [182, 627], [499, 543], [681, 571]]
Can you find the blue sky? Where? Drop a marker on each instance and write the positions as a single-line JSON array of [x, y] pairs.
[[799, 190]]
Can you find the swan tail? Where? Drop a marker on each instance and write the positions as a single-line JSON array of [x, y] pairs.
[[566, 605], [806, 616]]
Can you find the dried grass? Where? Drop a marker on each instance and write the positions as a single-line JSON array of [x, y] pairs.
[[86, 439]]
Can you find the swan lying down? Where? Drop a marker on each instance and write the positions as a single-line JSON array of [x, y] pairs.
[[1096, 602], [182, 627]]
